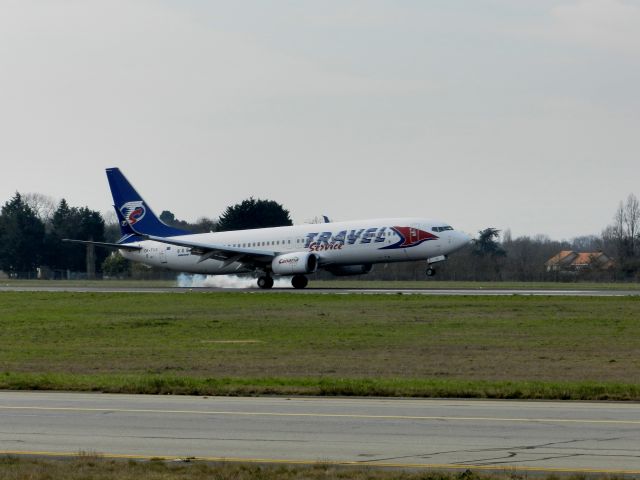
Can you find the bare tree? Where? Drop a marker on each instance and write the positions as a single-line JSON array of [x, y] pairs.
[[110, 217], [623, 236], [631, 222], [586, 243], [42, 205]]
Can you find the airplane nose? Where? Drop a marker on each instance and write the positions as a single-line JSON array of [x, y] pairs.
[[461, 239]]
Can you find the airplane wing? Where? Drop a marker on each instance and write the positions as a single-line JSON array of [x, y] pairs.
[[120, 246], [219, 252]]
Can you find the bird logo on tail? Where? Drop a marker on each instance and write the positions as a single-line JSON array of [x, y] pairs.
[[133, 212]]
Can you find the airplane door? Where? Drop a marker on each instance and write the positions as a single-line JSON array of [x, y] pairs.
[[413, 234], [163, 254], [412, 252]]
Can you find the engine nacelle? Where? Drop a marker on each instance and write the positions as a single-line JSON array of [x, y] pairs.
[[294, 263], [346, 270]]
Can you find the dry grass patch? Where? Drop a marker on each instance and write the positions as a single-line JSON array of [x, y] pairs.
[[95, 468]]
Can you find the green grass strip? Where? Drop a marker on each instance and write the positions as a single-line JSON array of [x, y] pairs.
[[425, 388]]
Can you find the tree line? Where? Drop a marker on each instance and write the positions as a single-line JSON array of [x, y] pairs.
[[32, 227], [31, 233]]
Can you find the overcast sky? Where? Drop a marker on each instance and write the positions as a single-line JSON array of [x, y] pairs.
[[512, 114]]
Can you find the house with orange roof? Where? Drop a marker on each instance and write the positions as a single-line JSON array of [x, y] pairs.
[[570, 261]]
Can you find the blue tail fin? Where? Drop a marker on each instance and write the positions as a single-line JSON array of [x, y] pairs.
[[134, 213]]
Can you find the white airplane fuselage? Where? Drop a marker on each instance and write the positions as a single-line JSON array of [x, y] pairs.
[[341, 248], [360, 242]]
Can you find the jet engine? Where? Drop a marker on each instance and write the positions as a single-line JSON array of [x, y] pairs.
[[294, 263], [346, 270]]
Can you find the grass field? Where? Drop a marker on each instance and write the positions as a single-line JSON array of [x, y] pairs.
[[91, 467], [237, 343]]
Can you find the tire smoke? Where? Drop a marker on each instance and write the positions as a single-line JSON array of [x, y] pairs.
[[226, 281]]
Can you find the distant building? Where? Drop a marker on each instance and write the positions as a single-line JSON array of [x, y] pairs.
[[570, 261]]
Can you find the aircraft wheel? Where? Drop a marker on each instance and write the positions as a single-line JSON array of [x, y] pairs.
[[430, 272], [265, 282], [299, 281]]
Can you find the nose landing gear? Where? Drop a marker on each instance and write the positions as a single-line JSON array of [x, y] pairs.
[[430, 261]]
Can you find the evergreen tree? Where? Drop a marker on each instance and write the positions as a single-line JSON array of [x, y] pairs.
[[168, 217], [487, 254], [76, 223], [115, 265], [254, 213], [21, 237], [202, 225], [486, 244]]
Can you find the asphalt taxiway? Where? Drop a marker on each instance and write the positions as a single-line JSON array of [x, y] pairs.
[[529, 436]]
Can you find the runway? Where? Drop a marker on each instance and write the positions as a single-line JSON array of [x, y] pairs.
[[328, 291], [434, 434]]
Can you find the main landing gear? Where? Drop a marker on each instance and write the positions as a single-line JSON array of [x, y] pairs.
[[265, 282], [299, 281], [430, 272]]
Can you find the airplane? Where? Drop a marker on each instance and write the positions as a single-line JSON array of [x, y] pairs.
[[341, 248]]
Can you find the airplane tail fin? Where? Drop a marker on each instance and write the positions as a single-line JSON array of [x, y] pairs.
[[136, 217]]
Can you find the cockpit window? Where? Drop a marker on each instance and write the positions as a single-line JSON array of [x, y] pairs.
[[441, 229]]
